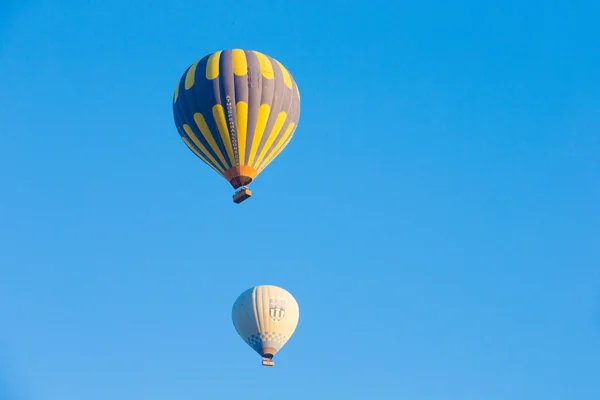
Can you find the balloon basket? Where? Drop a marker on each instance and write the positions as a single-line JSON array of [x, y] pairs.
[[267, 362], [241, 195]]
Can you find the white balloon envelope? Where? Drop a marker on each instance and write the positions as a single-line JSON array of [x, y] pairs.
[[265, 317]]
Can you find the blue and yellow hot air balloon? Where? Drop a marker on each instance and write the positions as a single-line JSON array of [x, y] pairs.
[[237, 110]]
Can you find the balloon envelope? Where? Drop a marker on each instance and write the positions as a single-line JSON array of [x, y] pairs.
[[265, 317], [236, 110]]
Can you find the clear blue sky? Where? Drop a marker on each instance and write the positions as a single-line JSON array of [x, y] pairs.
[[436, 215]]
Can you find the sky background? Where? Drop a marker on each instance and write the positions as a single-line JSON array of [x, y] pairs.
[[436, 215]]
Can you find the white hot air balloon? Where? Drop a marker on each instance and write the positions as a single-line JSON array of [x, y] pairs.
[[265, 317]]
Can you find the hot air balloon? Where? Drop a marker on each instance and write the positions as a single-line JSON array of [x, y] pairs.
[[237, 110], [265, 317]]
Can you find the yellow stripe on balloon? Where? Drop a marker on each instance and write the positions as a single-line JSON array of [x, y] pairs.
[[261, 123], [241, 110], [203, 149], [208, 136], [240, 63], [287, 78], [200, 155], [212, 65], [272, 136], [190, 77], [176, 92], [266, 68], [219, 116], [281, 144]]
